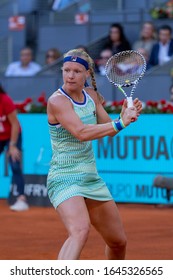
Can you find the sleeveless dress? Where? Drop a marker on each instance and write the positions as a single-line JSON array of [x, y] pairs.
[[73, 168]]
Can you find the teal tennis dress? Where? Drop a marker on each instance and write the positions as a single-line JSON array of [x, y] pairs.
[[73, 169]]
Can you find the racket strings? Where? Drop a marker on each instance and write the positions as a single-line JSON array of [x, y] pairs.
[[125, 68]]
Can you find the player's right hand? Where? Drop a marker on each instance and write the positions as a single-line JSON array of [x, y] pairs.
[[129, 115]]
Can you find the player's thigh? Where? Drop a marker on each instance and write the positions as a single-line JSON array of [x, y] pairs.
[[106, 219], [74, 214]]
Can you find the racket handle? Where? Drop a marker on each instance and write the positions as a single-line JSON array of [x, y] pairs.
[[129, 102]]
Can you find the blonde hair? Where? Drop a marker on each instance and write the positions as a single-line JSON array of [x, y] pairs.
[[82, 54], [154, 35]]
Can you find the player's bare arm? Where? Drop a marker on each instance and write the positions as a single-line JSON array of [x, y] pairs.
[[102, 115], [61, 110]]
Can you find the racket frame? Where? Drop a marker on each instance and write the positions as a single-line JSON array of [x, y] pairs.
[[134, 83]]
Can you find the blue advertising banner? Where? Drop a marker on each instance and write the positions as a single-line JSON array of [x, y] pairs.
[[128, 162]]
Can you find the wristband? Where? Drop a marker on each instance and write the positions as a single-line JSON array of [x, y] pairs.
[[121, 120], [114, 126], [119, 125]]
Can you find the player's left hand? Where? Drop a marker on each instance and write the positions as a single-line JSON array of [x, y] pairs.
[[137, 104]]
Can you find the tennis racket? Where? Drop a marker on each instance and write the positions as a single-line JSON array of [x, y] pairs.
[[125, 69]]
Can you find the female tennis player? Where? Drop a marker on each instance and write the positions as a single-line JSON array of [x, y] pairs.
[[76, 116]]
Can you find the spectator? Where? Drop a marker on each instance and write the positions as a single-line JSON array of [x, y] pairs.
[[52, 55], [117, 40], [101, 62], [145, 54], [147, 38], [171, 93], [163, 49], [11, 139], [24, 67]]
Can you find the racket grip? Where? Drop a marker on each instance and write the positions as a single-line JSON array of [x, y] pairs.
[[129, 102]]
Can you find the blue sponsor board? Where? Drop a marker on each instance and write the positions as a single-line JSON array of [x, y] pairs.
[[128, 162], [36, 150]]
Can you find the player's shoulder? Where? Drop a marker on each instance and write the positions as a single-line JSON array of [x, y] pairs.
[[91, 92], [56, 98], [95, 95]]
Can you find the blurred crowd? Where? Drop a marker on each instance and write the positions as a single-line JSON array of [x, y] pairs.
[[156, 45]]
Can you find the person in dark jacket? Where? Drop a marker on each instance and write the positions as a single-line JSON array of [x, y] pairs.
[[163, 49]]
